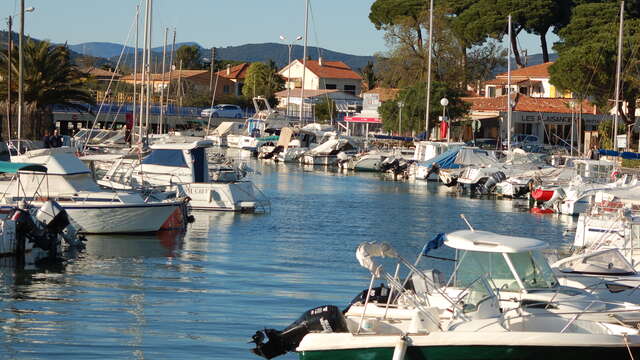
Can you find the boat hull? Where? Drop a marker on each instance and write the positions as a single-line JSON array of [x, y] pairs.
[[477, 353], [126, 219]]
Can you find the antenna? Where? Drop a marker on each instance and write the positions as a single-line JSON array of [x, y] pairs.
[[468, 224]]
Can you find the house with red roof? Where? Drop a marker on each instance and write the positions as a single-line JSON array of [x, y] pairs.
[[532, 81], [233, 77], [322, 75]]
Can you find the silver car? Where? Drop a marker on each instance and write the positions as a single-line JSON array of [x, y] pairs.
[[224, 111]]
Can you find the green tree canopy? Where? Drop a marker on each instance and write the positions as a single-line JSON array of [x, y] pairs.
[[414, 109], [189, 56], [588, 54], [50, 78], [262, 80]]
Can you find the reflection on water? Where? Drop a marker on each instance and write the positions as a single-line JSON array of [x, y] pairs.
[[202, 294]]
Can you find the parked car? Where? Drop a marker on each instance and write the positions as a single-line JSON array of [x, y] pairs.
[[223, 110], [523, 140], [484, 143]]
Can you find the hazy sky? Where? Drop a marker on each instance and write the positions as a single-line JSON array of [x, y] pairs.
[[340, 25]]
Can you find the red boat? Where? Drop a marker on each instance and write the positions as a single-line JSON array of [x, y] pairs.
[[537, 210], [542, 194]]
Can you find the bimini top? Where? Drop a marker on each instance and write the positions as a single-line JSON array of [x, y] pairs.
[[182, 145], [12, 168], [485, 241]]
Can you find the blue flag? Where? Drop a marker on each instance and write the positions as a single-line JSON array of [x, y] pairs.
[[434, 244]]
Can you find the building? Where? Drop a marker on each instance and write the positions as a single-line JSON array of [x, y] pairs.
[[233, 78], [550, 119], [322, 75], [369, 118], [532, 81], [100, 74], [291, 100]]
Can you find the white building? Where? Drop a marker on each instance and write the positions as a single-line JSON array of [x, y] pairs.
[[532, 81], [322, 75]]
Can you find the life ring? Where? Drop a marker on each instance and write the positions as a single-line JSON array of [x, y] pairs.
[[615, 174]]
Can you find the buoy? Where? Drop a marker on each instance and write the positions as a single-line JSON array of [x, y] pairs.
[[401, 348]]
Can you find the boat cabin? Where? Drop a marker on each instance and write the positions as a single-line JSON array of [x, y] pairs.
[[191, 156], [595, 170], [511, 263]]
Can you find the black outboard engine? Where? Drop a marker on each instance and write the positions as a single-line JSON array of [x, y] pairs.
[[492, 181], [326, 318], [53, 216]]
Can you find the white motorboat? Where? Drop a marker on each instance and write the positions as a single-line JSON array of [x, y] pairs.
[[219, 135], [91, 209], [605, 273], [259, 128], [425, 154], [184, 168], [397, 321], [327, 152]]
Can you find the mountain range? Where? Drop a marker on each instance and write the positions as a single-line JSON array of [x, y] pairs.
[[248, 53]]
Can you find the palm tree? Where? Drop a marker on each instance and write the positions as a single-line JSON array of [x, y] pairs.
[[50, 78]]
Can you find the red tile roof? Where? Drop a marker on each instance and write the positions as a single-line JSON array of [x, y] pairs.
[[97, 72], [170, 74], [529, 104], [332, 70], [534, 71], [235, 72]]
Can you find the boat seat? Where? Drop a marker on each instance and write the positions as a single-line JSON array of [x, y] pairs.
[[427, 281]]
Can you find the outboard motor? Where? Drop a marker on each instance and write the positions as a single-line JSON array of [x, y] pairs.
[[53, 216], [326, 318], [492, 181]]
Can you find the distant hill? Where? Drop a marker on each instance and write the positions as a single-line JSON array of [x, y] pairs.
[[249, 53]]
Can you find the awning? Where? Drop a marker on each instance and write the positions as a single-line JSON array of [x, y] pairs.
[[12, 168], [359, 119]]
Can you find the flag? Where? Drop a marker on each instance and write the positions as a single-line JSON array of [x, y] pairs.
[[435, 243]]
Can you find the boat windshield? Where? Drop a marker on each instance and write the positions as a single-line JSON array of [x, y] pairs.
[[531, 267], [603, 262], [533, 270], [472, 264]]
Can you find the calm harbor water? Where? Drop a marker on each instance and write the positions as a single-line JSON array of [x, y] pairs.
[[203, 294]]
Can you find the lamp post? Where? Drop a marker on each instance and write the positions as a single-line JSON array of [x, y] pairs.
[[444, 102], [290, 45], [400, 106], [20, 63], [572, 105]]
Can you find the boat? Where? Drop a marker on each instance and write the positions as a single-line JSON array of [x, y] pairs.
[[327, 152], [92, 209], [417, 318], [184, 168], [219, 135], [263, 127]]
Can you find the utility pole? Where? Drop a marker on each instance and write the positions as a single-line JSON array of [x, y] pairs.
[[213, 59]]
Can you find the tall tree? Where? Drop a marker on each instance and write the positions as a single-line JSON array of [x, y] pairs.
[[262, 80], [190, 56], [587, 53], [369, 76], [413, 111], [50, 78]]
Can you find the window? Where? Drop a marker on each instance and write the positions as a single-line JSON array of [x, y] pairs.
[[226, 89], [524, 90], [351, 89], [492, 91], [330, 86]]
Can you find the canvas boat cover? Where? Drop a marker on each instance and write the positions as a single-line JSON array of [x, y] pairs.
[[446, 160], [329, 146], [475, 156], [227, 128], [367, 251], [12, 168]]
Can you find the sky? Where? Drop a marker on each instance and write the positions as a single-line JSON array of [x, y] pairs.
[[339, 25]]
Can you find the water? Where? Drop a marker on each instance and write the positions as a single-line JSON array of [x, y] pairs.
[[203, 295]]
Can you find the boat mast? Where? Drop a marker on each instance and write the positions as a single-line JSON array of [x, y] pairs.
[[509, 88], [20, 68], [616, 106], [429, 71], [9, 71], [171, 65], [164, 58], [149, 27], [135, 74], [143, 69], [304, 57]]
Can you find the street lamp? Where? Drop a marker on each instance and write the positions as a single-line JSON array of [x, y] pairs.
[[21, 62], [444, 102], [572, 105], [400, 106], [290, 45], [9, 48]]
